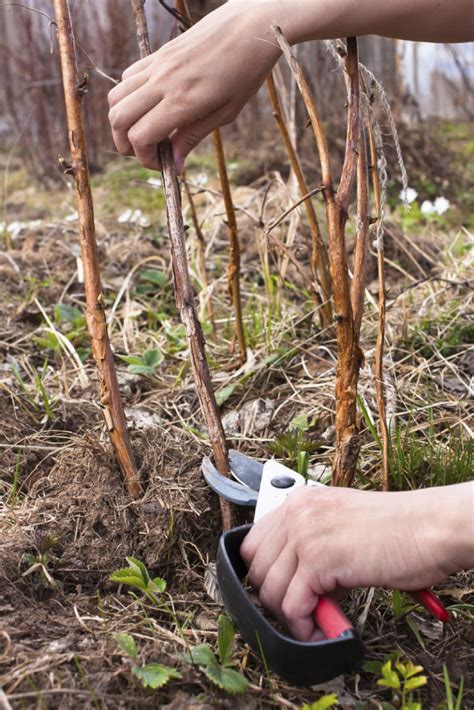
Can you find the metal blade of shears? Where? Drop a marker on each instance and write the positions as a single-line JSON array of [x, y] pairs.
[[245, 469], [225, 487]]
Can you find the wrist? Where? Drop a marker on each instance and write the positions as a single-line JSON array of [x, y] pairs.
[[299, 20]]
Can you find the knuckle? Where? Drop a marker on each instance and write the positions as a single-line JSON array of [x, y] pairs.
[[137, 136], [116, 119]]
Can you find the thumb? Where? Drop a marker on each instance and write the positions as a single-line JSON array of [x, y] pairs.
[[187, 138]]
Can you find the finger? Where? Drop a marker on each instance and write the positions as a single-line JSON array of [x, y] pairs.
[[268, 552], [127, 112], [148, 156], [138, 66], [188, 137], [317, 635], [277, 581], [297, 607], [127, 87], [256, 535], [122, 143]]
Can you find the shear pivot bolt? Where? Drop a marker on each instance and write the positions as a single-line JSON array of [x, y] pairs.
[[283, 481]]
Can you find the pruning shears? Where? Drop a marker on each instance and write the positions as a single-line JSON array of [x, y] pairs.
[[265, 487]]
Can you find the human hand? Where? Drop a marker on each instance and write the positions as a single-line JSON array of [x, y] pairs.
[[322, 539], [194, 84]]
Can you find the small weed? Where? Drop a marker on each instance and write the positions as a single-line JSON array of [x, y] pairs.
[[323, 703], [38, 563], [402, 678], [150, 675], [41, 401], [14, 493], [294, 446], [220, 670], [145, 364], [451, 702], [417, 462], [72, 324], [136, 576]]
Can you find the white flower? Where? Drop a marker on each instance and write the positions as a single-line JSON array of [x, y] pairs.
[[441, 204], [125, 216], [134, 217], [408, 196], [427, 207], [202, 179], [155, 181]]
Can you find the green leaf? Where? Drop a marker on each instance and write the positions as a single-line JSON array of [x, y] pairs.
[[131, 579], [412, 706], [417, 682], [158, 584], [141, 369], [300, 422], [131, 359], [390, 678], [64, 312], [139, 568], [411, 670], [226, 678], [224, 394], [127, 644], [153, 357], [154, 675], [325, 702], [48, 341], [225, 639], [154, 276], [372, 666], [201, 655]]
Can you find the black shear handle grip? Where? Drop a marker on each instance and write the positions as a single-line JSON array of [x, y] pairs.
[[302, 663]]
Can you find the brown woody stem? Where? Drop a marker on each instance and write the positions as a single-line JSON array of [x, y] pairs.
[[319, 256], [95, 315], [362, 236], [379, 347], [201, 251], [185, 297], [350, 356], [233, 268]]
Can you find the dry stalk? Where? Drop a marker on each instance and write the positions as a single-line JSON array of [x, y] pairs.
[[184, 293], [233, 269], [379, 347], [362, 236], [201, 252], [337, 204], [319, 256], [95, 314], [182, 10]]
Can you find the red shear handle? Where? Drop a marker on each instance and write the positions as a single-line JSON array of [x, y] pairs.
[[330, 618], [430, 601]]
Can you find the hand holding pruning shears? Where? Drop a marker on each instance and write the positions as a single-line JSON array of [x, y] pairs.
[[315, 540]]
